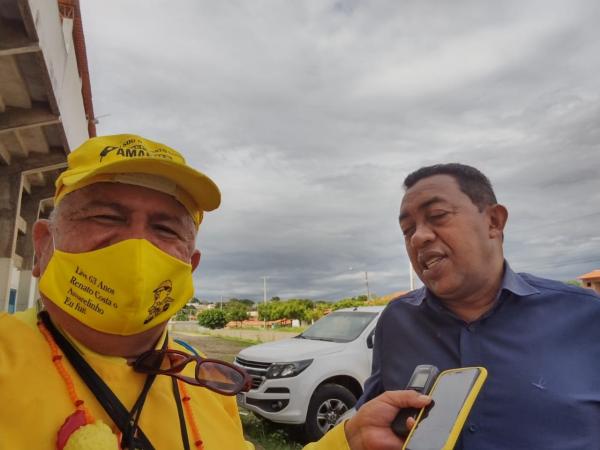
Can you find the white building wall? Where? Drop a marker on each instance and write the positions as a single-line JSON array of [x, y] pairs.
[[61, 61], [56, 42]]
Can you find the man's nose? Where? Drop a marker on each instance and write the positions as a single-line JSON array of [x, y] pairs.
[[422, 236], [137, 228]]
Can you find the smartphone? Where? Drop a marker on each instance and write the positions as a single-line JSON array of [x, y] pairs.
[[439, 424], [421, 381]]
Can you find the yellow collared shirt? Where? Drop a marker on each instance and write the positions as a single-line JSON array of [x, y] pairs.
[[35, 401]]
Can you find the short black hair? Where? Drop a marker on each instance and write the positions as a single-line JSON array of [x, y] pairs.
[[471, 181]]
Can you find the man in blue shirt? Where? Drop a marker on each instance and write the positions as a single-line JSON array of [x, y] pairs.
[[539, 339]]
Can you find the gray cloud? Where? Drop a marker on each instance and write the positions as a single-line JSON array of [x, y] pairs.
[[310, 114]]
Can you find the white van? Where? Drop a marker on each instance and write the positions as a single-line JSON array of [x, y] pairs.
[[315, 377]]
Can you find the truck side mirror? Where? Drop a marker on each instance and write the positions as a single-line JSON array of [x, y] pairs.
[[371, 339]]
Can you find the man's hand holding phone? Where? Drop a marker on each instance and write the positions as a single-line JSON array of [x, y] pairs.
[[370, 428]]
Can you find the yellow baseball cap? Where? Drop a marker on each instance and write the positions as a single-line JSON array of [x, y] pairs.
[[132, 159]]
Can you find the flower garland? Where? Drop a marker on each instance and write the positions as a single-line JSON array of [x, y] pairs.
[[185, 398], [57, 360], [81, 431]]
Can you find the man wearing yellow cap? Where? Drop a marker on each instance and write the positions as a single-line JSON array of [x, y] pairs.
[[92, 367]]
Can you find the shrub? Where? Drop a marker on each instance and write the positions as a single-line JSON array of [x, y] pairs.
[[349, 303], [182, 314], [212, 318]]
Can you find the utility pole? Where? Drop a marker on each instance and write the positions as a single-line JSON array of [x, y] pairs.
[[265, 296], [366, 282], [411, 275]]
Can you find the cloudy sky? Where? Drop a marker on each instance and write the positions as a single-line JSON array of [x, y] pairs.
[[309, 114]]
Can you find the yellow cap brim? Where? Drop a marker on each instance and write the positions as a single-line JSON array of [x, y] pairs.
[[200, 188]]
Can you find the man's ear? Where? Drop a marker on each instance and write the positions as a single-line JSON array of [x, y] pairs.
[[195, 259], [42, 246], [498, 216]]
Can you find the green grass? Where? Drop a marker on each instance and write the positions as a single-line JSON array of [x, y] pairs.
[[291, 329], [270, 436], [240, 340], [286, 329]]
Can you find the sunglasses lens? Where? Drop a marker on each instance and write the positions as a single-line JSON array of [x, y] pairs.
[[220, 378], [214, 375], [176, 362]]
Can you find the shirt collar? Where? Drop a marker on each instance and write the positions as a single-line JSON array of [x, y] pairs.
[[511, 282], [515, 283]]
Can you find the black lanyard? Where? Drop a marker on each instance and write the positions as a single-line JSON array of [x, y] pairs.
[[184, 435], [126, 421]]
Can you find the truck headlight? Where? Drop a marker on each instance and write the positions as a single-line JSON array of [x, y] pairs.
[[286, 370]]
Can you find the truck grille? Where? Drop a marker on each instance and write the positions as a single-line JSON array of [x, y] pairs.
[[255, 369]]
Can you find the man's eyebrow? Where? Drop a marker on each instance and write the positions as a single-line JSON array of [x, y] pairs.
[[123, 209], [168, 217], [182, 222], [100, 204], [426, 204]]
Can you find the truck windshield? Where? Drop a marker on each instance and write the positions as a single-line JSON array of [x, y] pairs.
[[341, 326]]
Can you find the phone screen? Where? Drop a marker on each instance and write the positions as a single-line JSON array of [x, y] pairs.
[[448, 395]]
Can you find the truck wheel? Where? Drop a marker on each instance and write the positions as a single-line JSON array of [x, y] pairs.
[[328, 403]]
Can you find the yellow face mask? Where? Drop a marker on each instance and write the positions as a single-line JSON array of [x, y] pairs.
[[125, 288]]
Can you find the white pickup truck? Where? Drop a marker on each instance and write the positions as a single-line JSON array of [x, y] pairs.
[[315, 377]]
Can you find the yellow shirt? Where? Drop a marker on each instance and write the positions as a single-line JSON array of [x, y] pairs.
[[35, 401]]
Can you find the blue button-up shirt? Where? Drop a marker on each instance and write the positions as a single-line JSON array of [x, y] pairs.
[[540, 343]]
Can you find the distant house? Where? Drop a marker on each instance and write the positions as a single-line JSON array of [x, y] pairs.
[[591, 280]]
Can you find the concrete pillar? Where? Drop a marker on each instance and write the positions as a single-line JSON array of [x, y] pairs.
[[30, 209], [11, 186], [6, 268], [25, 290]]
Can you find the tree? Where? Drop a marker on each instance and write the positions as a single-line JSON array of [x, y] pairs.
[[212, 318], [294, 309], [266, 311], [249, 304], [236, 304], [348, 303], [182, 314], [289, 309], [236, 313], [318, 311]]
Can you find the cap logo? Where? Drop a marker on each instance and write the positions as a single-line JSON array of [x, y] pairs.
[[135, 148], [135, 151], [106, 150]]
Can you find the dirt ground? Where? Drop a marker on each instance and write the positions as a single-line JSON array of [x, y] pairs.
[[217, 348], [213, 347]]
